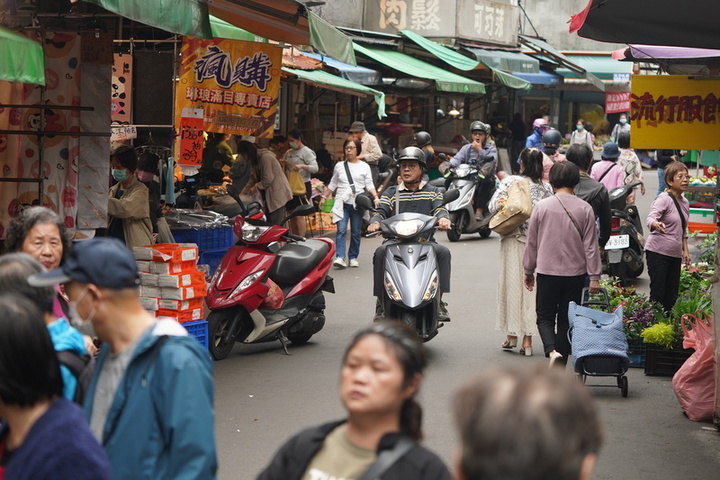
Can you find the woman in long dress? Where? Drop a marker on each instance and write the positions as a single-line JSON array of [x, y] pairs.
[[516, 306]]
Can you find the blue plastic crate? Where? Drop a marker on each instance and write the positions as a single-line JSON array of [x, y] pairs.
[[212, 258], [206, 238], [199, 330]]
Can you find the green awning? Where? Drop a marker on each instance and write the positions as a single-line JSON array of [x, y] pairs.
[[444, 81], [550, 53], [602, 66], [327, 39], [222, 29], [185, 17], [515, 62], [21, 59], [461, 62], [333, 82]]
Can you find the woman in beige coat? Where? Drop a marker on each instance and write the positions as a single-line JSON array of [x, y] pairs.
[[128, 204], [267, 176]]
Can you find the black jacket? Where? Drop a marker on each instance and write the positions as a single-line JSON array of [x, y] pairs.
[[595, 193], [664, 157], [293, 458]]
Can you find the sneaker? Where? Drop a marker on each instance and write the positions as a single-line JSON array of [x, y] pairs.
[[443, 315], [379, 309], [354, 263], [556, 360], [340, 262]]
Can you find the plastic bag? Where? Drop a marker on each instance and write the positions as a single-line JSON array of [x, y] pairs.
[[274, 298], [694, 382]]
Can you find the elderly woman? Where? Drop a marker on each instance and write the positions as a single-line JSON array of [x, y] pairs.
[[42, 435], [516, 305], [562, 248], [41, 233], [381, 374]]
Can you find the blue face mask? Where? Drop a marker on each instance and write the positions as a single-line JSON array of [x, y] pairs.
[[623, 120], [119, 175], [579, 127]]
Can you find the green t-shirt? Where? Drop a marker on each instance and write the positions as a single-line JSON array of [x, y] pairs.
[[339, 459]]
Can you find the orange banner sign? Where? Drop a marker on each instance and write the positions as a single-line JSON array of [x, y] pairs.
[[675, 111], [236, 83]]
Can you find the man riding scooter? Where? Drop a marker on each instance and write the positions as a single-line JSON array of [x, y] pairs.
[[476, 153], [411, 195]]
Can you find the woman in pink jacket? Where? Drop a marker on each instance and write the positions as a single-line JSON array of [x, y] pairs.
[[562, 248]]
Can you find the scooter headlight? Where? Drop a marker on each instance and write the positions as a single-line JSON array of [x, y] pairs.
[[462, 170], [246, 282], [251, 233], [407, 228], [432, 287], [391, 289]]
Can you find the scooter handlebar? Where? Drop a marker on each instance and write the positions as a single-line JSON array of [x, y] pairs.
[[292, 236]]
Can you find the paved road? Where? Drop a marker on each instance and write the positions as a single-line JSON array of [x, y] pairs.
[[263, 396]]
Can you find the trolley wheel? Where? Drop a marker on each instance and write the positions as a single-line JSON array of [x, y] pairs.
[[623, 381]]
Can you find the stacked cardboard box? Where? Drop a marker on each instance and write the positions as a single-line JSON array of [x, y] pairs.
[[170, 284]]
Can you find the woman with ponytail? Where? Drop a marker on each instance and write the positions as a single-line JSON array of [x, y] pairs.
[[380, 376]]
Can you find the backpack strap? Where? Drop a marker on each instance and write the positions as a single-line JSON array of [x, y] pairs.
[[388, 458], [72, 361]]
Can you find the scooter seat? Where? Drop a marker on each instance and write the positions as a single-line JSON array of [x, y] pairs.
[[295, 260]]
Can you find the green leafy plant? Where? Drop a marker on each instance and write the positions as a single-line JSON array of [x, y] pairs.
[[662, 334], [706, 248]]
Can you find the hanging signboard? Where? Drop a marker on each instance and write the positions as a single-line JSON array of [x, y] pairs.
[[236, 84], [191, 137], [616, 102], [675, 111]]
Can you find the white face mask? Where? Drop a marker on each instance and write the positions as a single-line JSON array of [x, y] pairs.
[[84, 326]]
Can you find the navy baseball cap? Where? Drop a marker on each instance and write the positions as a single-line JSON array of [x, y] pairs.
[[610, 151], [105, 262]]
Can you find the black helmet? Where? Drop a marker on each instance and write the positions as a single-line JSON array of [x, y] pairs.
[[412, 153], [422, 139], [551, 138], [478, 125]]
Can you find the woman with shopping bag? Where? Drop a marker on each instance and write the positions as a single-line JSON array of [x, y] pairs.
[[515, 304], [349, 178]]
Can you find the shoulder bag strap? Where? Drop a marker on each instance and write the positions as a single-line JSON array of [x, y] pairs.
[[387, 458], [606, 172], [577, 227], [350, 178], [682, 217]]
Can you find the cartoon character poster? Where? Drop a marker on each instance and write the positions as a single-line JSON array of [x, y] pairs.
[[236, 83], [121, 94]]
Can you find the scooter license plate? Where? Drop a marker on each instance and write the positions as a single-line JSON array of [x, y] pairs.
[[617, 242]]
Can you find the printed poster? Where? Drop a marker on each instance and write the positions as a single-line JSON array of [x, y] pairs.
[[236, 83], [121, 93]]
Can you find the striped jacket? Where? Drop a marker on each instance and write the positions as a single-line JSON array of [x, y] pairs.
[[427, 200]]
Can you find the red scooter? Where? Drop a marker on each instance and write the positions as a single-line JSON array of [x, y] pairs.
[[269, 286]]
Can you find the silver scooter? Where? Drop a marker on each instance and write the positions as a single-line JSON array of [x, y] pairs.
[[410, 275], [462, 211]]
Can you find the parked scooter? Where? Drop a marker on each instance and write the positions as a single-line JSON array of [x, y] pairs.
[[462, 211], [624, 250], [265, 291], [411, 275]]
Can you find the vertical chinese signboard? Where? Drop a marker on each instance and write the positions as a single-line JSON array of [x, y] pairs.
[[675, 111], [191, 137], [235, 83]]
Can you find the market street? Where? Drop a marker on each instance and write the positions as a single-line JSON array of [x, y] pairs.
[[263, 396]]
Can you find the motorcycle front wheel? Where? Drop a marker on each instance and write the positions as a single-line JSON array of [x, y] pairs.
[[458, 225], [218, 325]]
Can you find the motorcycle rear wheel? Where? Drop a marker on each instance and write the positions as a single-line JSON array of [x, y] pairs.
[[618, 270], [458, 221], [218, 323]]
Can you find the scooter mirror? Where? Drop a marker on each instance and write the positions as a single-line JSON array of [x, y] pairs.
[[364, 202], [451, 195]]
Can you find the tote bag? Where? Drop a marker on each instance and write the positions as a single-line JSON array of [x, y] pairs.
[[516, 210], [297, 185]]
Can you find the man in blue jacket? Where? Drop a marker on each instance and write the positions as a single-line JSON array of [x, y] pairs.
[[150, 401]]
